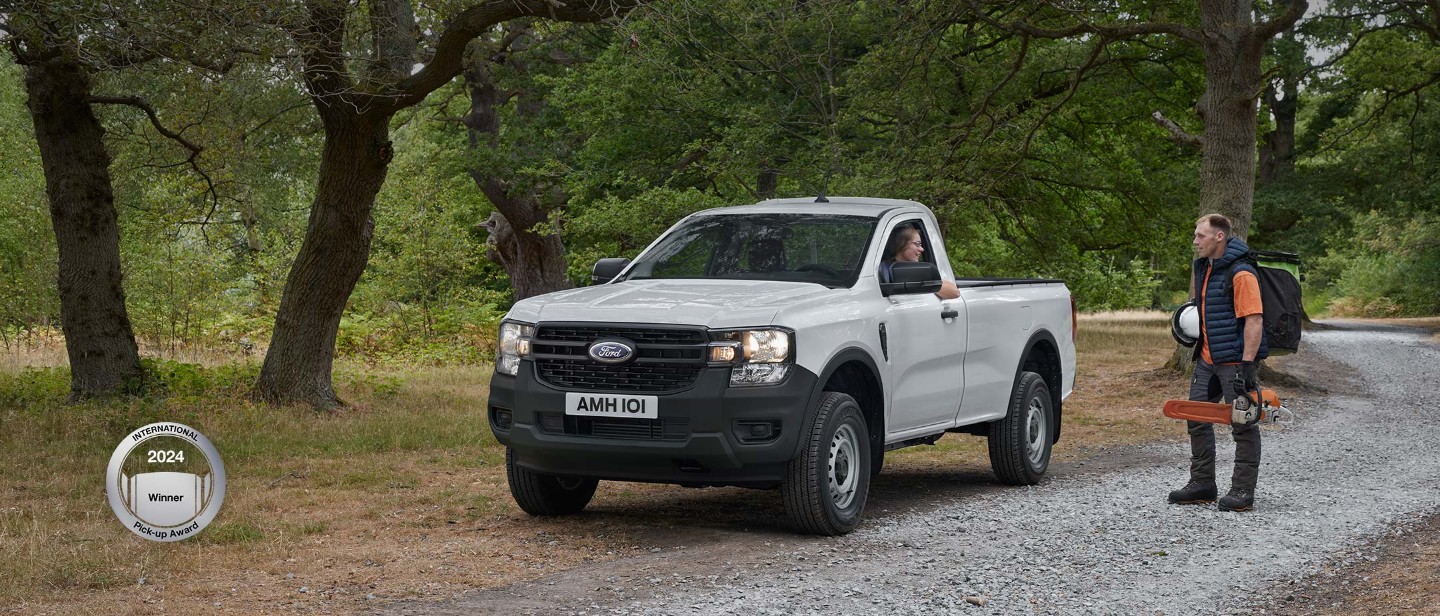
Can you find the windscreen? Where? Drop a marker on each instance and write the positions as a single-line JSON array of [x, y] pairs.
[[823, 249]]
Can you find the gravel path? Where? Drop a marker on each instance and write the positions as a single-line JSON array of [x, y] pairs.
[[1354, 463]]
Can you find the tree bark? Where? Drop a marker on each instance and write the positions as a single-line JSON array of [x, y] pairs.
[[1232, 86], [531, 252], [99, 341], [332, 257]]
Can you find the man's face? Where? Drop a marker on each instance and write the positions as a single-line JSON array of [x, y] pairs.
[[1209, 242]]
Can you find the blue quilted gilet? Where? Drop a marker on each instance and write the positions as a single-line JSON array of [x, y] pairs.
[[1222, 331]]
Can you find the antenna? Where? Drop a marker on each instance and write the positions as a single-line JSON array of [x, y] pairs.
[[824, 184]]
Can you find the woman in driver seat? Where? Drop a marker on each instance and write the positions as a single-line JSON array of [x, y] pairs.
[[905, 244]]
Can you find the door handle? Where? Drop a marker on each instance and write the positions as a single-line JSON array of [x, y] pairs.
[[949, 314]]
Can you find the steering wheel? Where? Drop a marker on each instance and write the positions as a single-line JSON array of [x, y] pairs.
[[816, 267]]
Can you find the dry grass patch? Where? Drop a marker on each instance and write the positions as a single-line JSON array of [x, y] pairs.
[[404, 496]]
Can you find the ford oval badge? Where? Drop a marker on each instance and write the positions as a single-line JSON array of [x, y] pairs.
[[611, 352]]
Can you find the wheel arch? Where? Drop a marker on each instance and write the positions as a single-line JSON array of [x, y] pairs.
[[853, 371], [1042, 356]]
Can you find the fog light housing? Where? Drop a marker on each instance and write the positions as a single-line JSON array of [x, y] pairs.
[[502, 419], [756, 430]]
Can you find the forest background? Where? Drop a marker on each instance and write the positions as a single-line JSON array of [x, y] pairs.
[[1041, 156]]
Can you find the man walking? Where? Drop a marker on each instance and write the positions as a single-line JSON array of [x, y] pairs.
[[1232, 339]]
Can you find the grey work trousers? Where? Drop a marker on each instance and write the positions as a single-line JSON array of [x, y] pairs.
[[1213, 384]]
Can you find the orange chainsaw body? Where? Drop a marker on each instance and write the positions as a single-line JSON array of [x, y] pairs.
[[1214, 412]]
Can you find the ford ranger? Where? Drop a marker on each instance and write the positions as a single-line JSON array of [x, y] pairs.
[[765, 346]]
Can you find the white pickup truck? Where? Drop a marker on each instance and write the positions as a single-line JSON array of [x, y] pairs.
[[760, 346]]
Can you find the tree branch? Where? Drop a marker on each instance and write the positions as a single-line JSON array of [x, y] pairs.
[[144, 105], [192, 161], [1116, 32], [1177, 134], [470, 23], [1294, 9]]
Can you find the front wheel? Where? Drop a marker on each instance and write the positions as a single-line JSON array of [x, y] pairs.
[[540, 494], [1020, 442], [826, 486]]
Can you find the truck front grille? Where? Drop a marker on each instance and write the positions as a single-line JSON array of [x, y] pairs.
[[667, 359]]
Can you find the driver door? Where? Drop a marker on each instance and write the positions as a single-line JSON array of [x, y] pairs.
[[926, 354]]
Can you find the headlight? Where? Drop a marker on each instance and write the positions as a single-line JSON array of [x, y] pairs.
[[760, 356], [514, 344]]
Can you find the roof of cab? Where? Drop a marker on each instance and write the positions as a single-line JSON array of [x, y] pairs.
[[844, 206]]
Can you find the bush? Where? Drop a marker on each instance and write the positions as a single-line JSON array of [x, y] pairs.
[[1105, 283], [1388, 267]]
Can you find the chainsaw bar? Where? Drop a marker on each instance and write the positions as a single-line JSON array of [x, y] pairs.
[[1271, 411]]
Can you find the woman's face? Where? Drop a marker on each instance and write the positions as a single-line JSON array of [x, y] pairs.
[[912, 248]]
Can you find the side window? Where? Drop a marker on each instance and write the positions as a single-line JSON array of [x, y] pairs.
[[906, 241], [895, 246]]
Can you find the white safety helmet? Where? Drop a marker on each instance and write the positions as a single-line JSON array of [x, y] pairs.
[[1185, 324]]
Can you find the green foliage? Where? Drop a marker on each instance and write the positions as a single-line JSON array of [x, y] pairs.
[[1099, 283], [27, 245], [1390, 266]]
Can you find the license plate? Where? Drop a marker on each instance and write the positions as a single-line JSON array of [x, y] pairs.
[[612, 405]]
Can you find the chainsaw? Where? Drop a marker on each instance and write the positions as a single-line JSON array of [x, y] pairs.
[[1260, 406]]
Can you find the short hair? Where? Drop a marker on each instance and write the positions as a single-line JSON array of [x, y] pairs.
[[1219, 222]]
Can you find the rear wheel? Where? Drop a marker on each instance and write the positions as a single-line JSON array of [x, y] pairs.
[[540, 494], [1020, 442], [826, 486]]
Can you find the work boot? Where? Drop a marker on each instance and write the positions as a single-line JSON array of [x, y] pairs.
[[1194, 493], [1239, 499]]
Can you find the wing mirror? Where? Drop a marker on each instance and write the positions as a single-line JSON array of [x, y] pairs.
[[607, 269], [910, 277]]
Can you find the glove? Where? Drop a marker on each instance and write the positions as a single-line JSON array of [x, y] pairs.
[[1245, 380]]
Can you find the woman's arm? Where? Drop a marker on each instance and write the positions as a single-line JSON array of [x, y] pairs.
[[948, 290]]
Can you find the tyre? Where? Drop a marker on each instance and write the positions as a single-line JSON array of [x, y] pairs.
[[825, 487], [1020, 442], [540, 494]]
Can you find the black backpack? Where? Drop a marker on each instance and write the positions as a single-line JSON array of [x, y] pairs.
[[1280, 292]]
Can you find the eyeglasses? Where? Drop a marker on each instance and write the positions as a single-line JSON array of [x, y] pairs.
[[916, 243]]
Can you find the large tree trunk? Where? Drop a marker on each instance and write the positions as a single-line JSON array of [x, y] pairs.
[[531, 252], [332, 256], [98, 338], [1232, 86]]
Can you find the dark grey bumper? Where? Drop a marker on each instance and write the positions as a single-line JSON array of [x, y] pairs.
[[716, 446]]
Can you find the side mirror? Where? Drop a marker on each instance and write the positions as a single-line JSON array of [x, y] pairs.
[[606, 270], [911, 277]]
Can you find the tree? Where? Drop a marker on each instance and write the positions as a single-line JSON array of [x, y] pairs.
[[1234, 44], [524, 236], [355, 110], [61, 53]]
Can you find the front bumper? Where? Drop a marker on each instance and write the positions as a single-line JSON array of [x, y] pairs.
[[703, 437]]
